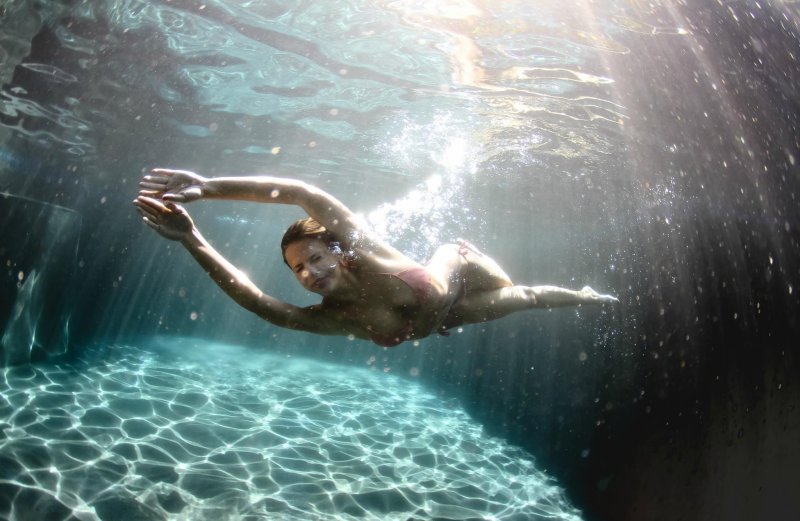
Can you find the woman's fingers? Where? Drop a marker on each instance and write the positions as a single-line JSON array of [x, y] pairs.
[[161, 173], [147, 213], [162, 179], [148, 217], [164, 174], [153, 206], [174, 197], [152, 186], [150, 202], [174, 208], [150, 223], [150, 214], [156, 209]]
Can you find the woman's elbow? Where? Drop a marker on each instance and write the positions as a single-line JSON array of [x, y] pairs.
[[273, 312]]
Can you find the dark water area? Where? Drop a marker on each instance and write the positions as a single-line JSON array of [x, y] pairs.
[[649, 151]]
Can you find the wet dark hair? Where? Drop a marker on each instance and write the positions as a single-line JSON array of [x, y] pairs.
[[307, 228]]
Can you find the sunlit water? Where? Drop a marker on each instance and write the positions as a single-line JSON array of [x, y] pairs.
[[410, 106], [186, 429], [645, 148]]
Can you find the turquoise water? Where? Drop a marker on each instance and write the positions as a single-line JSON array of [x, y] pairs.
[[648, 149]]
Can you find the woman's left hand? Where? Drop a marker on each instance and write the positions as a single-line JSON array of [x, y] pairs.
[[170, 220]]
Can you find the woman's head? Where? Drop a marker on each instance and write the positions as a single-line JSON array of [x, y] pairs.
[[307, 228], [314, 256]]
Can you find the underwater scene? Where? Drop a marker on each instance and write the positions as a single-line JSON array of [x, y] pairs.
[[558, 275]]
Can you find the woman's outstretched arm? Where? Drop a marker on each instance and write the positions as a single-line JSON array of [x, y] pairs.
[[185, 186], [172, 222]]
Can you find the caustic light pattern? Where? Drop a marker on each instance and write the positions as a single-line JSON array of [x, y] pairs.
[[181, 433]]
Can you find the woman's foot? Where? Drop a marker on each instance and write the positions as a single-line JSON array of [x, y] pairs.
[[590, 296]]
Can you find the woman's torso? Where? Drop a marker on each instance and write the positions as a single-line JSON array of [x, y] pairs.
[[392, 307]]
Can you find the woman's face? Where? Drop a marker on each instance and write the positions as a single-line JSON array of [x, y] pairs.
[[315, 266]]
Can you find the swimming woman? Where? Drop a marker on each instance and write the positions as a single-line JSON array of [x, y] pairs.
[[369, 289]]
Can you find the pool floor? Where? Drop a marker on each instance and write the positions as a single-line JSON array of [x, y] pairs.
[[187, 429]]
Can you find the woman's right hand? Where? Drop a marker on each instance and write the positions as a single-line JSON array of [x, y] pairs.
[[170, 220], [180, 186]]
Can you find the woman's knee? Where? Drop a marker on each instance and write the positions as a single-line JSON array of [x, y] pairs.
[[447, 249], [447, 254]]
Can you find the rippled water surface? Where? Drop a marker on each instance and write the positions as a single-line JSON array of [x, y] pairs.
[[428, 98], [226, 69]]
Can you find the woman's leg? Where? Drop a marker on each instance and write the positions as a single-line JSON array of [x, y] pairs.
[[482, 306], [488, 292], [463, 263]]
